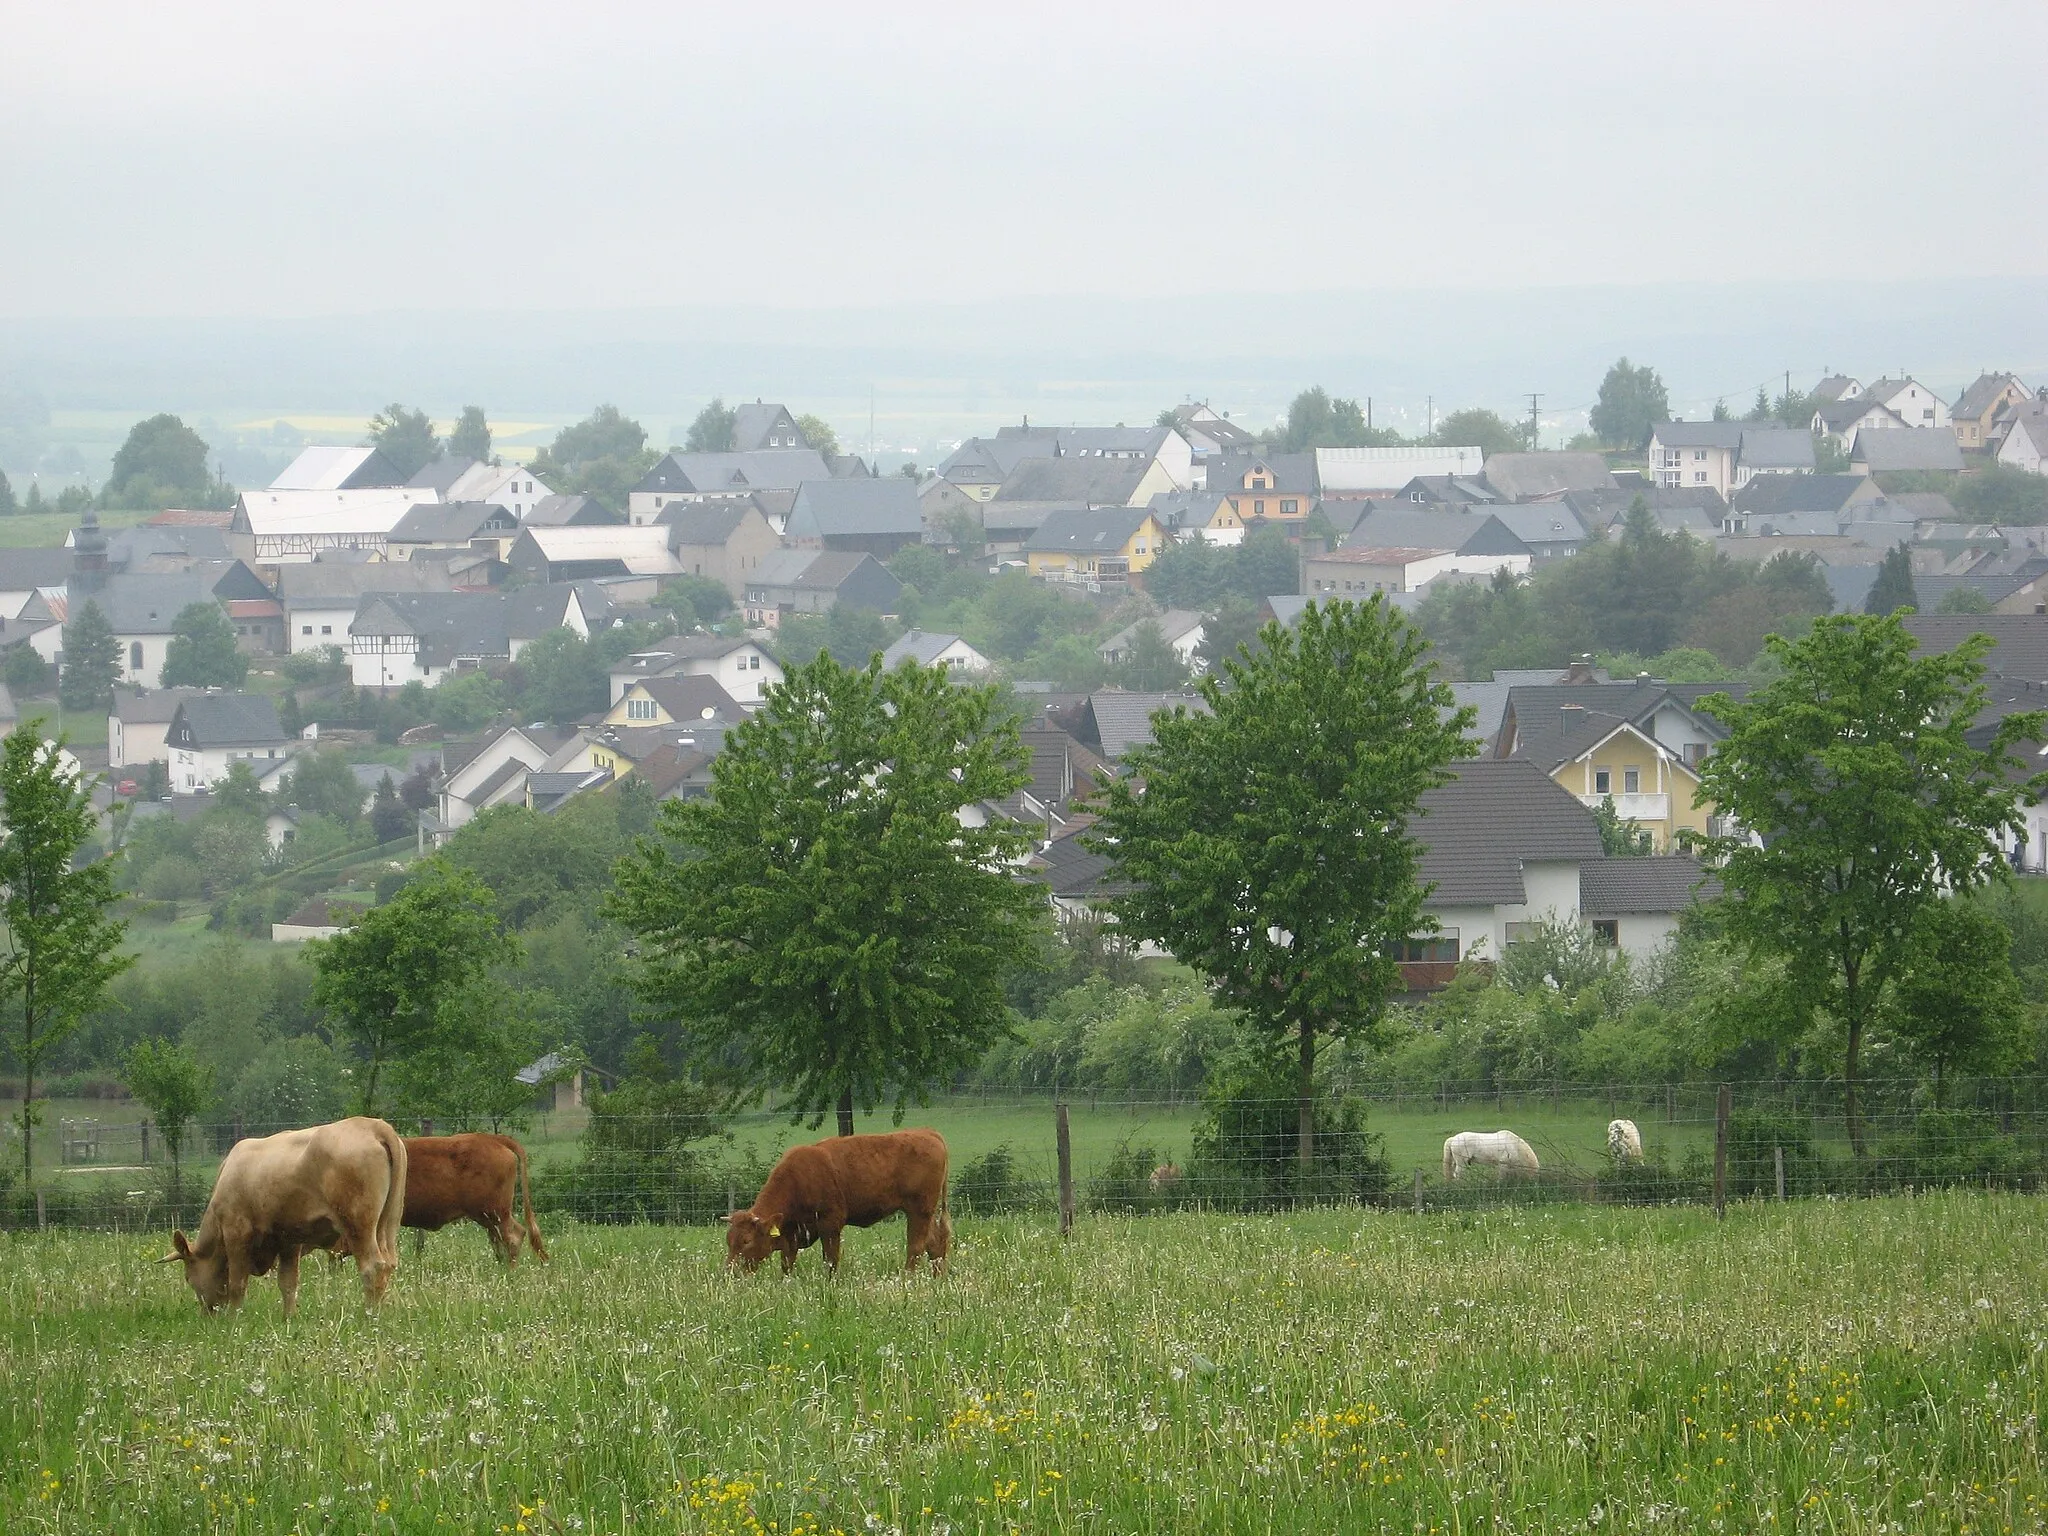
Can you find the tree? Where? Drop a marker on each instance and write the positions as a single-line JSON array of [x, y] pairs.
[[174, 1083], [563, 678], [466, 701], [468, 1072], [1620, 839], [697, 600], [27, 673], [1859, 801], [162, 463], [1231, 623], [58, 947], [603, 456], [1958, 1004], [1482, 429], [711, 432], [471, 438], [92, 660], [291, 716], [1314, 420], [823, 922], [1632, 401], [1893, 588], [1760, 408], [1265, 843], [405, 437], [202, 652], [1150, 665], [1999, 493], [389, 981], [1964, 600], [817, 431], [389, 819], [324, 784], [7, 503]]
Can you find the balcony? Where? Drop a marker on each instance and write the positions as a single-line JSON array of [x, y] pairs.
[[1634, 807]]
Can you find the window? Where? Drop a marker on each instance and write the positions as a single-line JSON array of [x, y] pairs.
[[1699, 455], [135, 655], [753, 663], [639, 709], [1607, 932], [1517, 932], [1603, 781], [1442, 947], [1631, 781], [1289, 508], [305, 629], [1699, 477], [326, 629]]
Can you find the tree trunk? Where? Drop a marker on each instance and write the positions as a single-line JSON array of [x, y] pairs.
[[28, 1122], [846, 1111], [1851, 1112], [1305, 1102]]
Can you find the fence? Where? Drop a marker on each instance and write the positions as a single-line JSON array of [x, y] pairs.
[[1702, 1143]]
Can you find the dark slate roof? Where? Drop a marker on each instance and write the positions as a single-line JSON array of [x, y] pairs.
[[230, 720], [338, 584], [1695, 509], [24, 568], [1294, 474], [135, 707], [1402, 525], [1976, 400], [751, 425], [855, 508], [1698, 434], [1837, 414], [811, 570], [448, 624], [1777, 448], [1123, 720], [1102, 482], [703, 522], [1798, 493], [1547, 736], [2021, 650], [560, 511], [1071, 869], [1913, 448], [686, 695], [147, 603], [439, 522], [1522, 476], [1480, 828], [1626, 887], [1103, 530], [711, 473], [438, 474]]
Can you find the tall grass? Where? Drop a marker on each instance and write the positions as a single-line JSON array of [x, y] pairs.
[[1823, 1366]]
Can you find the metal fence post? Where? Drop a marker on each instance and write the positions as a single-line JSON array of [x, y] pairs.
[[1778, 1157], [145, 1141], [1066, 1159], [1418, 1191], [1721, 1106]]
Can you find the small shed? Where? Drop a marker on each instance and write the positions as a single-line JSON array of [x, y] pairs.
[[320, 918]]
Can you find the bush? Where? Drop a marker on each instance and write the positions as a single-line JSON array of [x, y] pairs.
[[1954, 1146], [639, 1161], [995, 1183], [326, 665], [172, 878], [1245, 1145], [1753, 1137], [292, 1082], [1124, 1183]]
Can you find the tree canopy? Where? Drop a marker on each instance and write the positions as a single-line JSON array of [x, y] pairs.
[[712, 431], [1314, 420], [1893, 588], [823, 922], [1632, 401], [817, 432], [602, 456], [161, 464], [471, 438], [405, 437], [202, 652], [1483, 429], [92, 659]]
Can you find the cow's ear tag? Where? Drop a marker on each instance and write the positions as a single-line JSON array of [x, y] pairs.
[[776, 1230]]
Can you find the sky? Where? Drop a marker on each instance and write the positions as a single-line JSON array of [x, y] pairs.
[[240, 159]]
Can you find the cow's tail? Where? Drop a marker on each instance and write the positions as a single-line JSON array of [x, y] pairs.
[[540, 1249], [942, 1219], [1448, 1175], [394, 1198]]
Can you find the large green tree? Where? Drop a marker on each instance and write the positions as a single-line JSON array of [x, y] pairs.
[[174, 1083], [712, 431], [818, 433], [471, 437], [562, 678], [1632, 401], [92, 660], [405, 437], [602, 456], [392, 981], [202, 652], [58, 946], [1474, 427], [824, 923], [1315, 420], [1958, 1005], [1893, 588], [1267, 842], [324, 784], [161, 464], [1858, 801]]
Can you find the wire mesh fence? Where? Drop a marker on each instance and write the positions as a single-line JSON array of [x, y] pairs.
[[1691, 1143]]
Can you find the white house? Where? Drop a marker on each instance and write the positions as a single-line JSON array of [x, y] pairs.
[[139, 724], [212, 732], [742, 667], [935, 650], [2026, 441], [490, 772], [273, 527], [1180, 628], [1354, 472], [1914, 403], [320, 597], [511, 486]]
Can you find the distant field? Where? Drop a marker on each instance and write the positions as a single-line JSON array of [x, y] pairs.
[[46, 530], [1855, 1366]]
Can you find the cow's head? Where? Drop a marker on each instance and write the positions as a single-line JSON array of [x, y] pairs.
[[749, 1240], [206, 1274]]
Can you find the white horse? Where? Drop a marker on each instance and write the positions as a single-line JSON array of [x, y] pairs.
[[1624, 1141], [1499, 1149]]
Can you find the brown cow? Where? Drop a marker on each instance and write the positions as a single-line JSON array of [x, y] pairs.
[[814, 1193], [472, 1177], [279, 1195]]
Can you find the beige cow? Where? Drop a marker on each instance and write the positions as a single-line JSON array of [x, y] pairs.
[[278, 1196]]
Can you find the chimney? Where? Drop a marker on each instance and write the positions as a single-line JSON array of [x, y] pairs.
[[1570, 717], [1580, 671], [2041, 610]]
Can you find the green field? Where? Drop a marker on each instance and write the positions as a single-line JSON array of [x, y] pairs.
[[1825, 1366]]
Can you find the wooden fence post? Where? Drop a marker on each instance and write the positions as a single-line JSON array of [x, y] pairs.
[[42, 1216], [145, 1141], [1066, 1159], [427, 1126], [1778, 1157], [1418, 1191], [1721, 1106]]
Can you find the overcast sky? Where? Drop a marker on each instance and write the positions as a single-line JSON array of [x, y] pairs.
[[237, 158]]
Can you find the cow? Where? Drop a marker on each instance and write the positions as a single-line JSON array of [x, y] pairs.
[[815, 1192], [473, 1177], [1500, 1149], [1166, 1179], [277, 1196], [1624, 1141]]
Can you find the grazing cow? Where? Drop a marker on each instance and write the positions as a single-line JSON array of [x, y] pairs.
[[1498, 1149], [1624, 1141], [1166, 1179], [280, 1195], [815, 1192], [473, 1177]]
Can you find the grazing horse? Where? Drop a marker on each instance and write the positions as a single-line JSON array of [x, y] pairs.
[[1499, 1149], [1624, 1141]]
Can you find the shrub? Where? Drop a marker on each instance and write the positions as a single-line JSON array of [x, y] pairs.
[[1124, 1183], [1245, 1145], [291, 1082], [172, 878], [995, 1183], [1753, 1137], [1954, 1146]]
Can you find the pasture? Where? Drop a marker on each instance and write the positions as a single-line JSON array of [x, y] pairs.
[[1819, 1366]]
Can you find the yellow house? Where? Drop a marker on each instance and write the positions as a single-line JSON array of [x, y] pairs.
[[1107, 544], [681, 698], [1649, 784]]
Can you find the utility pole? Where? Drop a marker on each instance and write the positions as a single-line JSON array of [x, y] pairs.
[[1368, 413], [1432, 414], [1534, 428]]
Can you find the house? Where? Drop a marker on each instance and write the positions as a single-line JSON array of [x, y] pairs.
[[679, 698], [2025, 443], [432, 526], [1695, 510], [1449, 491], [759, 426], [400, 637], [708, 476], [1163, 448], [1266, 486], [1724, 456], [583, 553], [1774, 451], [143, 612], [2019, 650], [139, 722], [1549, 530], [320, 597], [875, 516], [1208, 434], [722, 541], [1634, 904], [1775, 497], [271, 527], [1977, 408], [1356, 571], [1112, 722], [1107, 544], [741, 666], [512, 486], [1876, 453], [1912, 402], [806, 581], [928, 649], [27, 573], [212, 732], [1840, 420], [1354, 473], [1209, 515], [359, 467], [486, 772], [1099, 481], [1478, 533], [1546, 476], [1836, 386], [560, 511], [321, 918], [1180, 628]]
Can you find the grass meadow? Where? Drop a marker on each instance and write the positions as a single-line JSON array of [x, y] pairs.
[[1856, 1366]]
